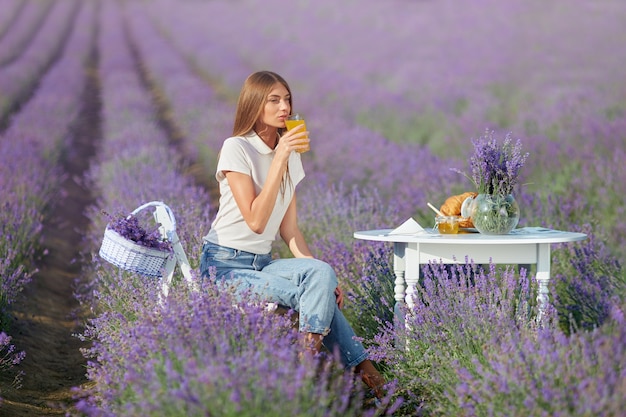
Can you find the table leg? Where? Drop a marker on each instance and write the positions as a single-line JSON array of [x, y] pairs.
[[543, 278], [412, 256], [399, 266]]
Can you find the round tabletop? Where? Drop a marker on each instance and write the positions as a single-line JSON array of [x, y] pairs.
[[517, 236]]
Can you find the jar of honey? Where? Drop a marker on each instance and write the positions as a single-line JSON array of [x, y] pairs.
[[448, 225]]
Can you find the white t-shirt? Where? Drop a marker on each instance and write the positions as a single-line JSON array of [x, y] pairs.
[[251, 156]]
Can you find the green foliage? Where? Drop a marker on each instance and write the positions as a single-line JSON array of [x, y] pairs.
[[505, 110], [428, 127]]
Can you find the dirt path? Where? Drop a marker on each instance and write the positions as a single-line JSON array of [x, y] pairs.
[[45, 316]]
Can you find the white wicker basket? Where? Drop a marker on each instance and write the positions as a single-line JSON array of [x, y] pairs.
[[131, 256]]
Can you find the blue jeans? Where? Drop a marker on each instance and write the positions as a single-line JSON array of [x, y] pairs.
[[303, 284]]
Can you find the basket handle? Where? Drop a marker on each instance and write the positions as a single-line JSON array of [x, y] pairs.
[[156, 204]]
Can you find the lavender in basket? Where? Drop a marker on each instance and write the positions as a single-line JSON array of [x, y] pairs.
[[129, 228]]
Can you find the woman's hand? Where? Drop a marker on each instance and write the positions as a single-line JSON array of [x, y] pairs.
[[295, 139], [339, 296]]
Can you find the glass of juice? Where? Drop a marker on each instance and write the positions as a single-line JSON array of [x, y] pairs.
[[294, 120]]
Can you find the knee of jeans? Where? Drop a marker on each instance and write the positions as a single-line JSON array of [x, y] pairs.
[[325, 274]]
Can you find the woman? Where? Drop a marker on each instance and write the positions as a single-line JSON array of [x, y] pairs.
[[258, 170]]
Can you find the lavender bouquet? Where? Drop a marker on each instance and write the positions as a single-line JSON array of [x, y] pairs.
[[495, 168], [129, 227]]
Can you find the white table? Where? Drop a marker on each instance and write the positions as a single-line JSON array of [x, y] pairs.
[[528, 245]]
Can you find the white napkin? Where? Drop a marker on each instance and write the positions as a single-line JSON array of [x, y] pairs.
[[409, 227]]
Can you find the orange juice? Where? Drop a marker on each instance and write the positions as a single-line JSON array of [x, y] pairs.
[[293, 121], [290, 124]]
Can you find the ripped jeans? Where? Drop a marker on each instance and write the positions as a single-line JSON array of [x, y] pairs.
[[303, 284]]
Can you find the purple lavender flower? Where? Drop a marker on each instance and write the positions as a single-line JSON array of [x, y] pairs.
[[495, 168], [9, 357], [130, 228]]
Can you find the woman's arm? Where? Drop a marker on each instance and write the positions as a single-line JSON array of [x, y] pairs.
[[291, 234], [257, 209]]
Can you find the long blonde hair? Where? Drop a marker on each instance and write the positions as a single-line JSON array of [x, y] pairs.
[[252, 100], [251, 103]]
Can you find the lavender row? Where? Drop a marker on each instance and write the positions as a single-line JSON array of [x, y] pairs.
[[133, 346], [30, 150], [135, 165], [29, 16], [18, 79], [201, 117], [136, 162], [12, 9]]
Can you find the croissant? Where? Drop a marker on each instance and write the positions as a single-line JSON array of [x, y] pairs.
[[452, 207]]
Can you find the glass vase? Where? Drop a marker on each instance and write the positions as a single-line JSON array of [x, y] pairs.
[[495, 214]]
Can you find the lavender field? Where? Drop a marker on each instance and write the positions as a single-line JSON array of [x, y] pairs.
[[394, 93]]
